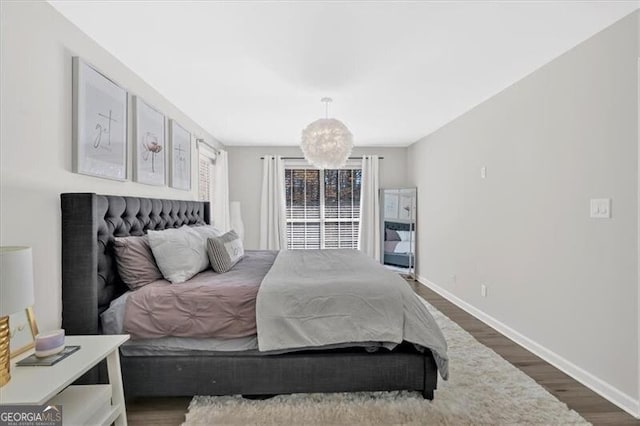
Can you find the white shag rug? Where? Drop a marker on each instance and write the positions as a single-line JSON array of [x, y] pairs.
[[483, 388]]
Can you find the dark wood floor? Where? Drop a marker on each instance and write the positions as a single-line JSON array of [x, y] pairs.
[[591, 406]]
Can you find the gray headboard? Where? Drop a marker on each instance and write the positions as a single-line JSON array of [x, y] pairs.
[[90, 279], [399, 226]]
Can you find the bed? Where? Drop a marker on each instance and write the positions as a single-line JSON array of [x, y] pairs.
[[398, 251], [90, 282]]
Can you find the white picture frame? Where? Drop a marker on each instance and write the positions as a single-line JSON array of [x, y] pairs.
[[23, 332], [180, 165], [149, 144], [405, 208], [99, 124], [390, 205]]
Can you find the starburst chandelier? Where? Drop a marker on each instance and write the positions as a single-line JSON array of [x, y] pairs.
[[327, 143]]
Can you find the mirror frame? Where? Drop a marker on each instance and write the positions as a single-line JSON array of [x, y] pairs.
[[386, 215]]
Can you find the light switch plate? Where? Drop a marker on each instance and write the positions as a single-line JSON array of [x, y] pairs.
[[601, 208], [483, 172]]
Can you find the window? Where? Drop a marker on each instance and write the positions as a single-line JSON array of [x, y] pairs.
[[323, 208], [204, 178], [206, 162]]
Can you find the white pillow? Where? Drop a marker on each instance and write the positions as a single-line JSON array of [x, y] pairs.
[[181, 253], [206, 232], [404, 235]]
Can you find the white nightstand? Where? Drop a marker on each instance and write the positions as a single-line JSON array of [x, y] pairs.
[[91, 404]]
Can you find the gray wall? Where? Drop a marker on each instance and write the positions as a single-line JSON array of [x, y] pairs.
[[35, 72], [562, 135], [245, 178]]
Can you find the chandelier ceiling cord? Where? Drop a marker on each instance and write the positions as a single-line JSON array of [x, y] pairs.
[[327, 142]]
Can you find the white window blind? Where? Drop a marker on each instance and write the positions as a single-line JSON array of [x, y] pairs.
[[323, 208], [205, 177]]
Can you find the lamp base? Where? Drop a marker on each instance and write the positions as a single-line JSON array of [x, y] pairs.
[[5, 360]]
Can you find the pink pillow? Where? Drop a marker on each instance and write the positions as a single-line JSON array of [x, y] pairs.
[[136, 264], [391, 235]]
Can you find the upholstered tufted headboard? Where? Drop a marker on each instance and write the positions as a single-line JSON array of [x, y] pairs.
[[90, 279], [399, 226]]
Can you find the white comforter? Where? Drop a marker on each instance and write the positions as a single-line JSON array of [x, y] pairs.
[[313, 298]]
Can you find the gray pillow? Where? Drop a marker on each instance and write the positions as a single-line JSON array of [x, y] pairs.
[[136, 264], [225, 251]]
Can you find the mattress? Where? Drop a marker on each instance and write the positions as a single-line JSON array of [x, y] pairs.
[[246, 346], [112, 321], [247, 274], [180, 346]]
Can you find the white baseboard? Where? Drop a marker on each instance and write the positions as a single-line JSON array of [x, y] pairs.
[[621, 399]]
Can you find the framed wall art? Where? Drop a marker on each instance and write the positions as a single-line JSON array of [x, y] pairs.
[[406, 207], [149, 146], [391, 201], [99, 124], [180, 145]]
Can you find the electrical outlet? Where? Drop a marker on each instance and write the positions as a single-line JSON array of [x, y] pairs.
[[483, 172], [454, 278], [483, 290]]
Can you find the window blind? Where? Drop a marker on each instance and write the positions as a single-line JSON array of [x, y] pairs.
[[205, 175], [323, 208]]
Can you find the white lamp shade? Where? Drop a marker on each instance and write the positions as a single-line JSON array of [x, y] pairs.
[[16, 279], [236, 219]]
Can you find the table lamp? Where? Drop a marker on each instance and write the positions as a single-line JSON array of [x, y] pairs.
[[16, 294]]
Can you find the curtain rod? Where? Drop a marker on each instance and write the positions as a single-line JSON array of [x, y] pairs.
[[208, 145], [302, 158]]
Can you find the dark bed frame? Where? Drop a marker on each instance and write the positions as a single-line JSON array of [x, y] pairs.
[[90, 282]]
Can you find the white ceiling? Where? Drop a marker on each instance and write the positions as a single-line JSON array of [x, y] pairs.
[[253, 73]]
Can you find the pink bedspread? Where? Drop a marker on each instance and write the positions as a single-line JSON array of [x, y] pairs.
[[208, 305]]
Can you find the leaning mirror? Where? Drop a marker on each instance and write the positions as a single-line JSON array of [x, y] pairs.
[[398, 231]]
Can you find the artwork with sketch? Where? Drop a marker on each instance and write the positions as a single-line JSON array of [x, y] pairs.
[[391, 201], [149, 147], [407, 206], [100, 124], [180, 156]]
